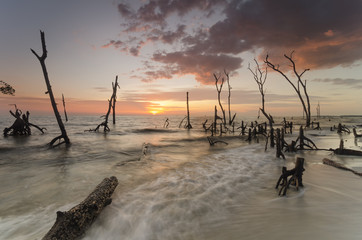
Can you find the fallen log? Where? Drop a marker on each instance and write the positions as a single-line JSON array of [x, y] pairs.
[[342, 151], [339, 165], [72, 224]]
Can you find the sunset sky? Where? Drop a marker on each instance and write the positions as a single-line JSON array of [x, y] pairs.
[[161, 49]]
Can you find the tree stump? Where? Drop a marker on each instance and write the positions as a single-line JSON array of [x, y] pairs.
[[295, 179], [73, 223]]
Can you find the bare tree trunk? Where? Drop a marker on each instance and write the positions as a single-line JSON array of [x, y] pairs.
[[65, 112], [111, 103], [188, 126], [231, 120], [213, 132], [50, 92], [218, 89], [260, 78], [114, 97]]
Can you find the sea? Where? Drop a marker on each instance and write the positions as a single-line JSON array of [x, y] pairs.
[[174, 185]]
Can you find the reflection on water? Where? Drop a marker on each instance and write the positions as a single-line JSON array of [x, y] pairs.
[[180, 189]]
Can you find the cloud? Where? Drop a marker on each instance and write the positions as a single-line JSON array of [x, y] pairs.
[[202, 65], [349, 82], [324, 33]]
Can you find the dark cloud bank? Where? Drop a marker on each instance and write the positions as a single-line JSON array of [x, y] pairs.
[[323, 33]]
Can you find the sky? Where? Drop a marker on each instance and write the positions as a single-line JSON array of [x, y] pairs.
[[161, 49]]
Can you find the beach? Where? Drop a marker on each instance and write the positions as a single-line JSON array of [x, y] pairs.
[[181, 187]]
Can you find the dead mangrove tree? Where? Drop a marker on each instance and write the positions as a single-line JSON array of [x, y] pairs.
[[41, 59], [219, 89], [21, 125], [299, 85], [111, 103]]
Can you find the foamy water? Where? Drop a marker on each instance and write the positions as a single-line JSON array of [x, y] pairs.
[[181, 188]]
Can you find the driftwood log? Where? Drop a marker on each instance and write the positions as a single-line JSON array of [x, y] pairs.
[[295, 179], [339, 165], [342, 151], [72, 224]]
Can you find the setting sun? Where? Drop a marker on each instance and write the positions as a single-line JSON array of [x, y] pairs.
[[154, 112]]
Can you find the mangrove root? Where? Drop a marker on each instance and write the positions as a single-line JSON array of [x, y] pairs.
[[295, 179]]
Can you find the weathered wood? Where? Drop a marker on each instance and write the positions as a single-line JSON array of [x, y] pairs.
[[341, 128], [65, 112], [41, 59], [296, 177], [111, 105], [304, 141], [279, 143], [339, 165], [342, 151], [356, 135], [73, 224], [218, 89], [114, 98], [21, 125], [188, 124]]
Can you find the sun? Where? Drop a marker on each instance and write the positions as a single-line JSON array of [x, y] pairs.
[[154, 112]]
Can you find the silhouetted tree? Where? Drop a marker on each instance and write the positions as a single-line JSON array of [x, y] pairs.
[[111, 103], [65, 112], [188, 124], [114, 96], [231, 120], [296, 86], [218, 89], [260, 78], [50, 92]]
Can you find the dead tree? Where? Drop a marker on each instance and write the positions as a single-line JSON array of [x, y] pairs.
[[356, 135], [343, 151], [342, 128], [231, 119], [188, 124], [279, 143], [21, 125], [41, 59], [304, 141], [65, 112], [166, 123], [214, 124], [296, 177], [218, 89], [260, 78], [303, 96], [111, 101], [114, 97], [243, 128], [73, 224]]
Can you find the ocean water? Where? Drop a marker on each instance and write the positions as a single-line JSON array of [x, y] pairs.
[[174, 185]]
